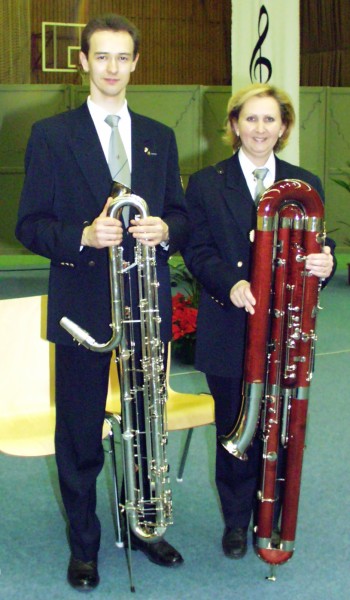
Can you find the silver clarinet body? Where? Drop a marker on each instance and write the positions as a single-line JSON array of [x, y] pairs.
[[147, 504]]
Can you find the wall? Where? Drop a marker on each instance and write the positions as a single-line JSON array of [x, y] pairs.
[[196, 113], [181, 42], [325, 150]]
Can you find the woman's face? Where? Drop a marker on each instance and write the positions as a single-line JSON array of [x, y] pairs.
[[259, 126]]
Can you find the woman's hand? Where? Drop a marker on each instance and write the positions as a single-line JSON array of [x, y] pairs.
[[320, 264], [242, 297]]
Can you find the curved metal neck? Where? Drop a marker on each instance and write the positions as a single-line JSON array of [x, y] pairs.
[[123, 196]]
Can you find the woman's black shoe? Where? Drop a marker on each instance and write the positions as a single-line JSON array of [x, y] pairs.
[[234, 542], [82, 576]]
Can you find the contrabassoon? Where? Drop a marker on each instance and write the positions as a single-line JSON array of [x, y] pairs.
[[279, 357], [148, 504]]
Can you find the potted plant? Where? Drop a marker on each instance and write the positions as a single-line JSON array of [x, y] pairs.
[[184, 313]]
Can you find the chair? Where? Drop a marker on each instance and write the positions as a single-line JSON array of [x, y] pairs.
[[27, 411], [27, 395], [187, 411]]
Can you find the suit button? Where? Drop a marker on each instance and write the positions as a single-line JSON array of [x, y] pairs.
[[91, 263], [240, 264]]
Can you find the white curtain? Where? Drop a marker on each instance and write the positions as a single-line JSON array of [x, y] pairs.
[[265, 48]]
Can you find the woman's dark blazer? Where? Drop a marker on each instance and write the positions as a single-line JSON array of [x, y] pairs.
[[66, 186], [222, 212]]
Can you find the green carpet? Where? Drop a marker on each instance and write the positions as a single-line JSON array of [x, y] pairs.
[[33, 548]]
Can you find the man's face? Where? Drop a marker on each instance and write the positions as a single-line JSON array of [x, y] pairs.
[[109, 64]]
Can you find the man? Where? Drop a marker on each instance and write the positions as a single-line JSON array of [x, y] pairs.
[[63, 216]]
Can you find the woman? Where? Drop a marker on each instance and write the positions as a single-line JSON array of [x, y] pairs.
[[222, 212]]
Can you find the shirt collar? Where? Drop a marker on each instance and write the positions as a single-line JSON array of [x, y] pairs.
[[248, 167], [99, 114]]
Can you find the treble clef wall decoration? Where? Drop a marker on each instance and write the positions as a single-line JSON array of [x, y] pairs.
[[258, 61]]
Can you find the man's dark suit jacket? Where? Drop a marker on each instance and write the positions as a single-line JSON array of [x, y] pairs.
[[66, 186], [221, 206]]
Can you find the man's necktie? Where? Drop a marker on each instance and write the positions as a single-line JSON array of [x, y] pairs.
[[259, 175], [117, 159]]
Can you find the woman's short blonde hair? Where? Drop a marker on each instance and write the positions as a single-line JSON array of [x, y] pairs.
[[237, 101]]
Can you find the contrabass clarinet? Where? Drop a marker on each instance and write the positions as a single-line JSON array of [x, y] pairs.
[[147, 492], [279, 358]]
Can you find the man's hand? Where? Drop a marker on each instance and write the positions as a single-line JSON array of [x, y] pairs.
[[150, 231], [104, 231]]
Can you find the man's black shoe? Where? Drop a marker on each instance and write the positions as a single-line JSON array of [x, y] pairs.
[[161, 553], [83, 576], [234, 542]]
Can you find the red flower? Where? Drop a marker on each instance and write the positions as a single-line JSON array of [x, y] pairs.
[[184, 319]]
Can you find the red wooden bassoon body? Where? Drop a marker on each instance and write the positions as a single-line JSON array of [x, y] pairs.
[[279, 357]]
